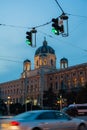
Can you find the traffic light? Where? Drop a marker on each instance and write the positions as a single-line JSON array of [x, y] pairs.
[[55, 26], [62, 28], [29, 38]]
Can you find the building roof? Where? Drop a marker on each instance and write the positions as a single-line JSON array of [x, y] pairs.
[[27, 61], [44, 49], [64, 59]]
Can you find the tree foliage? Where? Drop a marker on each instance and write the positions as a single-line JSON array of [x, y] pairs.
[[3, 107], [49, 98]]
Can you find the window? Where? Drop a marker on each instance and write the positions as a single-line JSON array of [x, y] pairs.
[[37, 63], [45, 62], [50, 78], [81, 72], [61, 116], [56, 85], [74, 74], [51, 62], [51, 85], [46, 115]]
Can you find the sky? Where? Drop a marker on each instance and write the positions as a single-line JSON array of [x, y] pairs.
[[19, 16]]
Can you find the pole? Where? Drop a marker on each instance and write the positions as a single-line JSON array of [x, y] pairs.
[[8, 103], [60, 102]]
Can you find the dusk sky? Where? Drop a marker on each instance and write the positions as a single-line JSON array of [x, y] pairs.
[[19, 16]]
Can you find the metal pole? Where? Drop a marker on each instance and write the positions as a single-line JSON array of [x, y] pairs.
[[60, 102], [8, 103]]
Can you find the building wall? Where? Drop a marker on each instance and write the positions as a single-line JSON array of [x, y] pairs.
[[71, 77], [30, 88]]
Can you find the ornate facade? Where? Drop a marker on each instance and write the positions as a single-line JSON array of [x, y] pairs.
[[32, 83]]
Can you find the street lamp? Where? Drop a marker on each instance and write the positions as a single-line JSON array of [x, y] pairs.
[[60, 102], [8, 103]]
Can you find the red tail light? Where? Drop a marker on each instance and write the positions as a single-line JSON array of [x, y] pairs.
[[14, 123]]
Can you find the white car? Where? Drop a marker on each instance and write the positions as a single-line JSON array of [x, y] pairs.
[[43, 120]]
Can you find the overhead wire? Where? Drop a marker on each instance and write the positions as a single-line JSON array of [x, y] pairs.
[[64, 41], [77, 15], [59, 6], [6, 59], [41, 25], [37, 26]]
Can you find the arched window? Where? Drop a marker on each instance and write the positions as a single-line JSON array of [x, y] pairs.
[[45, 62], [52, 62], [37, 63]]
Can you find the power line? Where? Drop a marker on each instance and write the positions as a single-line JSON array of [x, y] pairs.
[[69, 43], [5, 59], [43, 24], [77, 15], [59, 6], [69, 13], [37, 26], [14, 26], [70, 59]]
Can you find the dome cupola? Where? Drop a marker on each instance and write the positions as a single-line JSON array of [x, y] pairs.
[[26, 65], [44, 49], [64, 63], [45, 56]]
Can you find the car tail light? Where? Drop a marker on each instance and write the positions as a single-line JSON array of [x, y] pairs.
[[14, 123]]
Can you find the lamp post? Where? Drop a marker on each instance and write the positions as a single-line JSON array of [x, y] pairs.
[[60, 102], [8, 103]]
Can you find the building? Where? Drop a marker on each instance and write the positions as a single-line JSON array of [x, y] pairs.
[[31, 84]]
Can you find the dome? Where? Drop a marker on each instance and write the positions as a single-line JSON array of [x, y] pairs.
[[27, 61], [64, 59], [44, 49]]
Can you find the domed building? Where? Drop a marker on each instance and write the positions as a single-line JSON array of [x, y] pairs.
[[45, 56], [32, 83]]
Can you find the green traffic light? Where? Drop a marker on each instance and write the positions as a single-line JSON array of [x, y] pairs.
[[55, 31], [28, 42]]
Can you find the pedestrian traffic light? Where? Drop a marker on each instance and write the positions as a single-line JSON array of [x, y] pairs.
[[55, 26], [29, 38]]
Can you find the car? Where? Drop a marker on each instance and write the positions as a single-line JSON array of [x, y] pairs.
[[71, 111], [81, 108], [43, 120]]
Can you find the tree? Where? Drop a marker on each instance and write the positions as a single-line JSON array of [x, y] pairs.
[[3, 107], [15, 108], [49, 98], [82, 95]]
